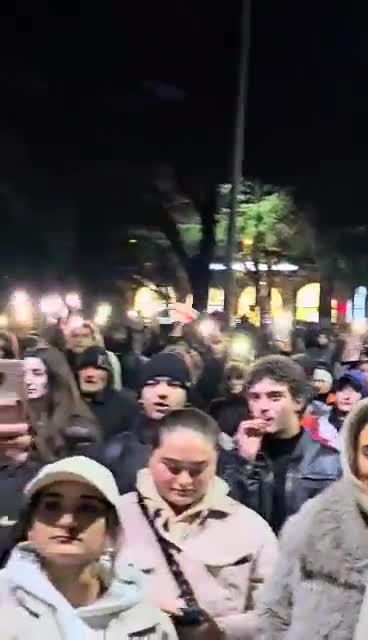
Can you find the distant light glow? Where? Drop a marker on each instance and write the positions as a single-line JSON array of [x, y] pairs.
[[19, 298], [217, 266], [4, 321], [73, 300], [241, 348], [285, 267], [103, 313], [249, 265], [208, 327], [220, 266], [22, 308], [52, 305], [359, 327], [282, 325]]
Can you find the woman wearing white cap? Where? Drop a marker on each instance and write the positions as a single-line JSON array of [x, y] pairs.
[[62, 582]]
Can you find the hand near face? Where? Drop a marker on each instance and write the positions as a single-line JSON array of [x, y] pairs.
[[248, 438], [15, 442]]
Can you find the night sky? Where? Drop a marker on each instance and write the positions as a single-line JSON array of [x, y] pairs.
[[92, 96]]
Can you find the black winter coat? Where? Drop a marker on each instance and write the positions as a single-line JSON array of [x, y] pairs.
[[115, 411], [13, 479]]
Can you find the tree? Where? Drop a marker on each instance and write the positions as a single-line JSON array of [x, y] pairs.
[[178, 208], [194, 221], [269, 227]]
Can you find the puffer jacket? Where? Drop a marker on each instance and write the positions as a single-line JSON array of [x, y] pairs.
[[312, 468], [31, 608], [319, 582]]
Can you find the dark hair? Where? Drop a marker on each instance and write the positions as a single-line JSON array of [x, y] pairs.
[[49, 418], [9, 345], [282, 370], [191, 419]]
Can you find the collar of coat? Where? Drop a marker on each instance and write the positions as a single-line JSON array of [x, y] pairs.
[[216, 499], [331, 535]]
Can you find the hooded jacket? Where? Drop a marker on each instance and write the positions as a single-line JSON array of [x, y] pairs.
[[32, 608], [319, 582]]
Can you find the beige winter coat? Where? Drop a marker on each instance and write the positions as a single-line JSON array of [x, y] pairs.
[[225, 550]]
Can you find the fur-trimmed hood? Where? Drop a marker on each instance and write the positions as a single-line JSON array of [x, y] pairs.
[[349, 434], [318, 588], [335, 537]]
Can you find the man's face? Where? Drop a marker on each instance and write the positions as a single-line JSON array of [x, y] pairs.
[[80, 339], [272, 402], [92, 380], [347, 398], [161, 396]]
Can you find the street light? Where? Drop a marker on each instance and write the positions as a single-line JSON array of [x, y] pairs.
[[238, 153]]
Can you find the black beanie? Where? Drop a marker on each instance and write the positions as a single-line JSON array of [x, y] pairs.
[[94, 357], [166, 365]]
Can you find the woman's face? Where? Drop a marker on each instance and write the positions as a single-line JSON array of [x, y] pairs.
[[35, 377], [69, 524], [182, 467]]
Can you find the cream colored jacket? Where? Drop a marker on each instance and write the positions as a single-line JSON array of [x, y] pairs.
[[225, 550]]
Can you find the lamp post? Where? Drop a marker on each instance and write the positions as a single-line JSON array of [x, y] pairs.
[[238, 154]]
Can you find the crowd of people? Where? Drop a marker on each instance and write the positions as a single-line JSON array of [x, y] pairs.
[[212, 485]]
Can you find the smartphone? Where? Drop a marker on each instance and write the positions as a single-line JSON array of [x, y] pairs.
[[12, 392], [189, 616]]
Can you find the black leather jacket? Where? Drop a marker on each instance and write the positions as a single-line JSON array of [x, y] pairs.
[[312, 468]]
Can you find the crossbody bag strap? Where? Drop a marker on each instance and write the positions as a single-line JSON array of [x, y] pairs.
[[167, 548]]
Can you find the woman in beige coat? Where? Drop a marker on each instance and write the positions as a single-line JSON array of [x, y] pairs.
[[63, 582], [199, 549]]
